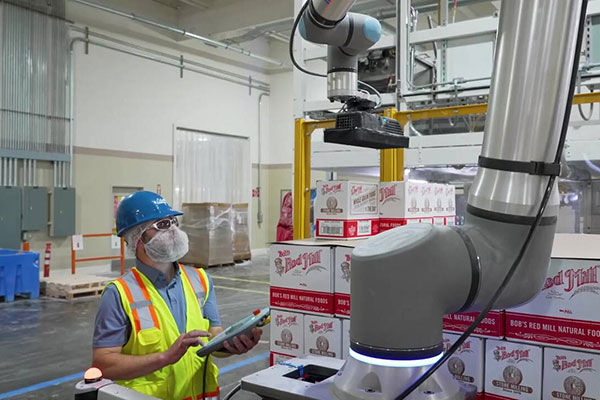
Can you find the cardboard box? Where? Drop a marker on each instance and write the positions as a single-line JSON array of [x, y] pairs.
[[346, 209], [343, 267], [323, 336], [467, 363], [439, 200], [345, 338], [512, 371], [276, 358], [287, 332], [399, 204], [492, 325], [239, 227], [571, 375], [208, 226], [566, 312], [427, 198], [301, 274], [450, 200]]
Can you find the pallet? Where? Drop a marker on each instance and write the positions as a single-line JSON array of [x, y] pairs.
[[74, 286], [242, 257]]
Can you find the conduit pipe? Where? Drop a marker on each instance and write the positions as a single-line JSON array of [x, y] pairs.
[[177, 58], [172, 64], [182, 32], [259, 214]]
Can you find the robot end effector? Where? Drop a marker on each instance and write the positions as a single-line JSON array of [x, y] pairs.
[[346, 35]]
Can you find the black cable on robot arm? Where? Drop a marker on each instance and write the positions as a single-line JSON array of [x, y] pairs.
[[534, 226], [291, 47]]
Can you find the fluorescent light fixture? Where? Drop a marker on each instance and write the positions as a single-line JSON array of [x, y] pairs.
[[423, 362]]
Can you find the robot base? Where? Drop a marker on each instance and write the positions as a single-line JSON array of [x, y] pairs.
[[325, 378], [359, 380]]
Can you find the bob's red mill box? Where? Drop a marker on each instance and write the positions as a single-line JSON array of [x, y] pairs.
[[276, 358], [406, 202], [566, 312], [571, 375], [467, 364], [399, 204], [287, 333], [301, 274], [346, 209], [343, 268], [323, 336], [492, 325], [512, 371]]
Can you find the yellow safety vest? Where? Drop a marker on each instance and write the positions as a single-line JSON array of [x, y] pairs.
[[154, 330]]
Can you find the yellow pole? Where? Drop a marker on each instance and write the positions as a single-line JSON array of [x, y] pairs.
[[301, 180], [391, 161]]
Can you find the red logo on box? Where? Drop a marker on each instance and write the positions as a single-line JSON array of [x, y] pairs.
[[491, 326], [342, 304], [553, 330], [317, 302]]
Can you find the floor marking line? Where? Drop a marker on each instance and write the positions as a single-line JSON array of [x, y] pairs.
[[241, 290], [238, 279], [79, 375], [41, 385]]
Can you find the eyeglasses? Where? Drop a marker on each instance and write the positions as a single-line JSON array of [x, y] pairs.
[[164, 224]]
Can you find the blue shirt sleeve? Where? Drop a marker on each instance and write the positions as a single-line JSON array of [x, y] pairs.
[[210, 310], [112, 327]]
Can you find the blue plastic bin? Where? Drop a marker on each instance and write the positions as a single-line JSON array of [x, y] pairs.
[[19, 274]]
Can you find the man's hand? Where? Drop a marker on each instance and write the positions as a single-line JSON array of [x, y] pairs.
[[182, 344], [241, 344]]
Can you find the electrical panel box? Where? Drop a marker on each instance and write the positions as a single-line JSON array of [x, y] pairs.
[[62, 212], [10, 217], [35, 209]]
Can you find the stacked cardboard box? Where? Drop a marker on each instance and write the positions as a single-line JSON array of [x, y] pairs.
[[467, 363], [303, 277], [346, 209], [552, 342], [407, 202], [218, 233], [208, 226], [239, 225], [512, 371], [566, 312]]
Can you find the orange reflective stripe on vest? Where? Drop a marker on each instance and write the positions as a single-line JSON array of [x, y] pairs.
[[142, 310], [146, 297]]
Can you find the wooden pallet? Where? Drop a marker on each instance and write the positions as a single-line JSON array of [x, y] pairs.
[[73, 286], [242, 257]]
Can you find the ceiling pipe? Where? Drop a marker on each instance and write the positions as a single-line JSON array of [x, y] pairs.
[[183, 32]]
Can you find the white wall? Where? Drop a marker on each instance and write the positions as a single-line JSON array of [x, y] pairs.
[[127, 103], [279, 147]]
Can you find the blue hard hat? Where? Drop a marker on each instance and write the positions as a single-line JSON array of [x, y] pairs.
[[140, 207]]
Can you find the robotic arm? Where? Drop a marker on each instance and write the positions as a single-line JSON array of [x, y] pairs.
[[346, 36]]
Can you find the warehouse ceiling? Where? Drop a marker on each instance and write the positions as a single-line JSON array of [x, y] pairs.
[[240, 22]]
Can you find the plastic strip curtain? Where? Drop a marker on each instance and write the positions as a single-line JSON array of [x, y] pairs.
[[211, 168]]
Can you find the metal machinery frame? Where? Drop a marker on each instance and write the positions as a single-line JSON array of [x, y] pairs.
[[391, 161]]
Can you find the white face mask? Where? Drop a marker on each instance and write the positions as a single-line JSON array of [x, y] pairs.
[[167, 246]]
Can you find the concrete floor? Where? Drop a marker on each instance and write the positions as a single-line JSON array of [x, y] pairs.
[[50, 340]]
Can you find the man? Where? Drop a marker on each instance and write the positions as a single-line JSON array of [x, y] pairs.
[[151, 319]]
